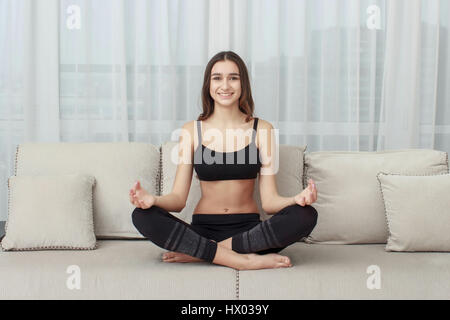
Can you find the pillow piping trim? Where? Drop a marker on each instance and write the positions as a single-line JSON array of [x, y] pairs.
[[237, 284], [386, 215], [304, 179], [446, 159], [9, 198], [159, 179], [44, 247], [307, 239]]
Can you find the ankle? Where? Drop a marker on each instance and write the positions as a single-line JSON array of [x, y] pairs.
[[227, 243], [247, 262]]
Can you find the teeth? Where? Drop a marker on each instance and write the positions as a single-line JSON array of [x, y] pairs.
[[226, 95]]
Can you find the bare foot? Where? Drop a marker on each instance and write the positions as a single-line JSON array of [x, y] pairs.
[[267, 261], [179, 257]]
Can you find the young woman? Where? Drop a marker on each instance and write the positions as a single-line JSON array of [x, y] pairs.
[[226, 228]]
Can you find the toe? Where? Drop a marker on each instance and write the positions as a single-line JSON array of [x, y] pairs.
[[169, 260], [285, 261], [168, 256]]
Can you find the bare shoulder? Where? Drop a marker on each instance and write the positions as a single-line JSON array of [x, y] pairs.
[[189, 126], [263, 132], [264, 124], [187, 134]]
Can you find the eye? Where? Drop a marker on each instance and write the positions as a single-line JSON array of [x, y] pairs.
[[218, 78]]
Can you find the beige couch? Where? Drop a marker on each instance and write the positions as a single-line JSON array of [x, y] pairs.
[[344, 257]]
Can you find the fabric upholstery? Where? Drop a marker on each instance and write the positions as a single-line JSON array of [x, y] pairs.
[[417, 209], [115, 166], [50, 212], [349, 199], [324, 271], [117, 269]]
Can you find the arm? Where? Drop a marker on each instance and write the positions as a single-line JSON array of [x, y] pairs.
[[271, 201], [170, 202], [175, 201]]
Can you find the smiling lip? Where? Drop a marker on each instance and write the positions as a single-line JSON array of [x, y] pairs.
[[228, 95]]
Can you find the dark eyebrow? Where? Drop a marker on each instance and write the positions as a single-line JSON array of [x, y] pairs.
[[231, 74]]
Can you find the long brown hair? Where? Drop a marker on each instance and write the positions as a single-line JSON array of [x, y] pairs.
[[246, 104]]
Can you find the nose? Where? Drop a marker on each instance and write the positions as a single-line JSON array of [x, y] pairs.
[[225, 84]]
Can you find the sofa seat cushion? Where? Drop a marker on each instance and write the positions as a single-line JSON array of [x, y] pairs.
[[322, 271], [118, 269]]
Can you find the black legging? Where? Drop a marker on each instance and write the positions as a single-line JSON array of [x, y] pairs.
[[249, 234]]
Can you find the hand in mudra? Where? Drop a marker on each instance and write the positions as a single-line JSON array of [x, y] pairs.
[[307, 196], [140, 198]]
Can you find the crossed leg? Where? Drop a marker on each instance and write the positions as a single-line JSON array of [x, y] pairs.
[[171, 233], [287, 226]]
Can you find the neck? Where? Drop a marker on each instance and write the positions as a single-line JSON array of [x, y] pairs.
[[227, 116]]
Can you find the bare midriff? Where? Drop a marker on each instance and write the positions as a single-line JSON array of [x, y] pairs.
[[227, 196]]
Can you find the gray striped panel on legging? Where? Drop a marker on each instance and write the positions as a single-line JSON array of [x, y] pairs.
[[200, 247], [179, 238], [190, 242], [171, 237], [269, 225], [256, 239]]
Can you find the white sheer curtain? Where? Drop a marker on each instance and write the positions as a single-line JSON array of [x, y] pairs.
[[354, 75]]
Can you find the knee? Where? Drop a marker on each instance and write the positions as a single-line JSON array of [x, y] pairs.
[[307, 215], [142, 217]]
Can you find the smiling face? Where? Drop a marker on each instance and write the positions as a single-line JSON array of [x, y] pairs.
[[225, 88]]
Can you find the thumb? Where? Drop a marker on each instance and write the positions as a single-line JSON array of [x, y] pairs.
[[137, 185]]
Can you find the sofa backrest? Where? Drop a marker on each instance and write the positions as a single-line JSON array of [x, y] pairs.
[[115, 166], [350, 203]]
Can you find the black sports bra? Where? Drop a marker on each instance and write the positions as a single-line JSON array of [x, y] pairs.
[[212, 165]]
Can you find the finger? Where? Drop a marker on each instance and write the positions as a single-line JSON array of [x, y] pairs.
[[135, 201], [132, 198]]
